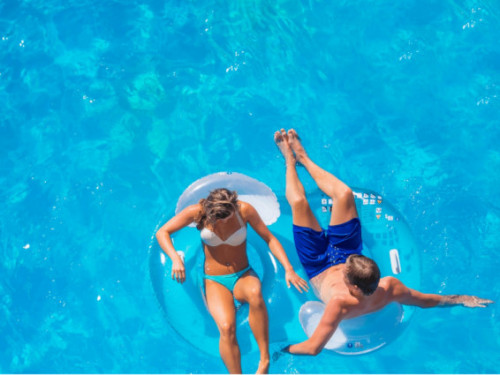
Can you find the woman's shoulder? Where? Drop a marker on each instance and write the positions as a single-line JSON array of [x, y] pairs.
[[192, 210], [246, 209], [245, 206]]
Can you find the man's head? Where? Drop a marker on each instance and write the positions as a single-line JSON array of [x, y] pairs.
[[362, 272]]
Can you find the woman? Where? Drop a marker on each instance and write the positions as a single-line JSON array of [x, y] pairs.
[[221, 219]]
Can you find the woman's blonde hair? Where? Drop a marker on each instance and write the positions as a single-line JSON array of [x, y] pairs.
[[219, 204]]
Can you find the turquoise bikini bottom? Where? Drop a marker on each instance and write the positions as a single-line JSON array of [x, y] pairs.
[[229, 280]]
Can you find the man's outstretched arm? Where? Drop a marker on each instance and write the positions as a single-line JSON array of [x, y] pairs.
[[407, 296], [325, 329]]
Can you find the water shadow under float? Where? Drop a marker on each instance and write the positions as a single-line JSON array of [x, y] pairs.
[[184, 307]]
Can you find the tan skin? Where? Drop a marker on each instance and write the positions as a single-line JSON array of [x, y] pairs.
[[226, 259], [343, 300]]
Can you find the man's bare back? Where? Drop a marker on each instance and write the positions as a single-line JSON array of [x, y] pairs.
[[330, 282], [330, 286]]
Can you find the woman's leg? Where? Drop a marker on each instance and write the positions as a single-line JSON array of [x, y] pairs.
[[302, 214], [344, 207], [248, 289], [221, 306]]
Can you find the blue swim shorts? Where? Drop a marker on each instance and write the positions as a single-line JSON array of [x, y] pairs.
[[318, 251]]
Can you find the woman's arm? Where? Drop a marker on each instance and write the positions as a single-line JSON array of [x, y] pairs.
[[163, 235], [407, 296], [275, 246]]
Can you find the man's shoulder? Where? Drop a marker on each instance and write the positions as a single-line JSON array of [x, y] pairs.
[[389, 281], [341, 300], [392, 288], [345, 302]]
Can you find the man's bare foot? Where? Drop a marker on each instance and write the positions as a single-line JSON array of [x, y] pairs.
[[298, 149], [281, 140], [263, 367]]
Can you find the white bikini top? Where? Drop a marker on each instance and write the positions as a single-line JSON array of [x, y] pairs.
[[235, 239]]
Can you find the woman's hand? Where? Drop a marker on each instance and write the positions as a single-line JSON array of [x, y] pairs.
[[178, 270], [298, 282], [163, 235]]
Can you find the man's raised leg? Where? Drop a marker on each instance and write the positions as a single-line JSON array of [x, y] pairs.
[[302, 214], [344, 207]]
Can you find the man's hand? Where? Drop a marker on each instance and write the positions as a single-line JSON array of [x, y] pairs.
[[473, 301], [460, 299]]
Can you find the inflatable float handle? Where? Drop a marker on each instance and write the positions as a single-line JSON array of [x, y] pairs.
[[163, 257], [395, 263]]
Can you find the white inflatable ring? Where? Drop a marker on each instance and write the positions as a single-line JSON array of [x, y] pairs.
[[183, 304]]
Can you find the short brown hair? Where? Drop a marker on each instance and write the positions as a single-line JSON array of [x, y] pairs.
[[362, 272]]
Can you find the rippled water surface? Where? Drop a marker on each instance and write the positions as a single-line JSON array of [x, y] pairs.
[[110, 109]]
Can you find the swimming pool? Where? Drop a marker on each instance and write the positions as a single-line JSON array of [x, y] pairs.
[[111, 109]]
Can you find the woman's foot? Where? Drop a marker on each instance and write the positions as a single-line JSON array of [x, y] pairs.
[[281, 140], [263, 366], [294, 142]]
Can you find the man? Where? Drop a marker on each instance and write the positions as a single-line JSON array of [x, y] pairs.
[[346, 281]]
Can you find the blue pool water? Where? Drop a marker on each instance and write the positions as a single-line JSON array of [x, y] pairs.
[[110, 109]]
